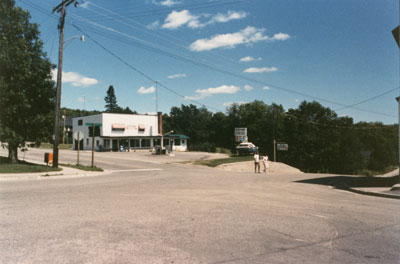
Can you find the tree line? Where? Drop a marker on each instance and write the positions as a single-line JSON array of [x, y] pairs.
[[318, 139]]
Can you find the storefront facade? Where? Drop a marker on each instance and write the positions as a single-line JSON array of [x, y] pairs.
[[116, 132]]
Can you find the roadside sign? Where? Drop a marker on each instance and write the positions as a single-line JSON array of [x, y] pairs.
[[81, 135], [282, 146], [240, 138], [240, 131]]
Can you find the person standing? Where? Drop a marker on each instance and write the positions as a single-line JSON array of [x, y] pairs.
[[256, 162], [265, 162]]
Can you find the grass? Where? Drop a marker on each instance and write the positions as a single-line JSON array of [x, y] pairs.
[[50, 146], [23, 167], [371, 173], [216, 162], [82, 167]]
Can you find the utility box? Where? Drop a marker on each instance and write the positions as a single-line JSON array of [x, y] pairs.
[[48, 158]]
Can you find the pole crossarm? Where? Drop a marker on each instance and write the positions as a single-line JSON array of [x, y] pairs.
[[64, 4]]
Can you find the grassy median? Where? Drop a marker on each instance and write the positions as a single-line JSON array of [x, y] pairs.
[[216, 162], [82, 167], [23, 167]]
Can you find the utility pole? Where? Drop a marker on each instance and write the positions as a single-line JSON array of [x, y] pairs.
[[60, 9]]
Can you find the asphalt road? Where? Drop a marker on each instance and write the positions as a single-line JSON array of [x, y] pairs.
[[191, 214]]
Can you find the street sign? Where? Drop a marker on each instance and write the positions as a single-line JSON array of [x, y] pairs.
[[240, 138], [81, 135], [282, 146], [91, 124]]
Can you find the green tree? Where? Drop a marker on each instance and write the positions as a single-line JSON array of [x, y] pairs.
[[27, 92], [320, 141], [111, 101]]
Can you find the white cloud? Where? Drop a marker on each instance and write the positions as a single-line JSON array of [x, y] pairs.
[[232, 103], [261, 70], [280, 36], [249, 58], [223, 89], [248, 87], [75, 79], [231, 15], [80, 100], [169, 2], [177, 19], [266, 88], [245, 36], [178, 75], [143, 90]]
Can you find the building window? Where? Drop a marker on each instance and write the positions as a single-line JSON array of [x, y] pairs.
[[145, 143], [177, 142], [97, 143], [80, 122], [118, 127], [183, 142], [135, 143], [87, 142], [166, 142]]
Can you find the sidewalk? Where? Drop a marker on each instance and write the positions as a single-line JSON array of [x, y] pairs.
[[385, 192], [65, 172]]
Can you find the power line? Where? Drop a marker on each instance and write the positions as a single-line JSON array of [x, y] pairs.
[[142, 73], [367, 100], [203, 64]]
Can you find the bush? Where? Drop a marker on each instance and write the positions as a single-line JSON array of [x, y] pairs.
[[206, 146]]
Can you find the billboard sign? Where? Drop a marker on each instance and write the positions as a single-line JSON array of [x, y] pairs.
[[240, 134], [282, 146], [240, 131]]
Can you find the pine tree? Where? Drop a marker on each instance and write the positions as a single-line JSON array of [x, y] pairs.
[[111, 101]]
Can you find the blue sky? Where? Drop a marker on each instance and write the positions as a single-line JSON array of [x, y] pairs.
[[218, 52]]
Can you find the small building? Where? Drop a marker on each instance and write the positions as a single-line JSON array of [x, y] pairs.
[[179, 142], [125, 132]]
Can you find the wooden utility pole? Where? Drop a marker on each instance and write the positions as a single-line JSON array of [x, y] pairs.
[[93, 145], [60, 9], [79, 146]]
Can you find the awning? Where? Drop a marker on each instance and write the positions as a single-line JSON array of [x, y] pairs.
[[142, 127], [120, 126]]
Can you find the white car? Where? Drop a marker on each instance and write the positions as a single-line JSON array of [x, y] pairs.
[[246, 148]]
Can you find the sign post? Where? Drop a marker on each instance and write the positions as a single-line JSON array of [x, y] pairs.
[[93, 125]]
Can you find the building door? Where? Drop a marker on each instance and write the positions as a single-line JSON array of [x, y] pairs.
[[115, 145]]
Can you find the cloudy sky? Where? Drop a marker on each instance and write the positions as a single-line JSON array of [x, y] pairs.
[[163, 53]]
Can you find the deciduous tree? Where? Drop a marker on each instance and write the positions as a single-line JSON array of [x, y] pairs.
[[27, 92]]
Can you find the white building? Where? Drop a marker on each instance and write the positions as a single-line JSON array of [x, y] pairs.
[[123, 131]]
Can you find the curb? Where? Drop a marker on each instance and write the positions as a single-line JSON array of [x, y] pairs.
[[376, 194]]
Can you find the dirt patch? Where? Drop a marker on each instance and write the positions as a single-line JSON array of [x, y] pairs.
[[248, 166]]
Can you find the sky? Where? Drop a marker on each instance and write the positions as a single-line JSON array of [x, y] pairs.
[[158, 54]]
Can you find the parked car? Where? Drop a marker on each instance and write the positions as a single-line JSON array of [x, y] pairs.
[[246, 148]]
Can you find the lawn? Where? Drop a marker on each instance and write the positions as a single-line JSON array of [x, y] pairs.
[[23, 167], [50, 146], [216, 162]]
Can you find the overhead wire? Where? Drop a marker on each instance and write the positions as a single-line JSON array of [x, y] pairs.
[[244, 77]]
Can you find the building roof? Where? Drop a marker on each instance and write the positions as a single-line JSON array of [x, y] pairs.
[[178, 136]]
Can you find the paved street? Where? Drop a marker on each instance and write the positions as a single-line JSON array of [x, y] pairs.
[[190, 214]]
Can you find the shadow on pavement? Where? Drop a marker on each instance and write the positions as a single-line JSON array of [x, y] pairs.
[[354, 181]]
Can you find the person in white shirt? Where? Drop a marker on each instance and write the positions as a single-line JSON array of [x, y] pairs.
[[256, 162], [265, 162]]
